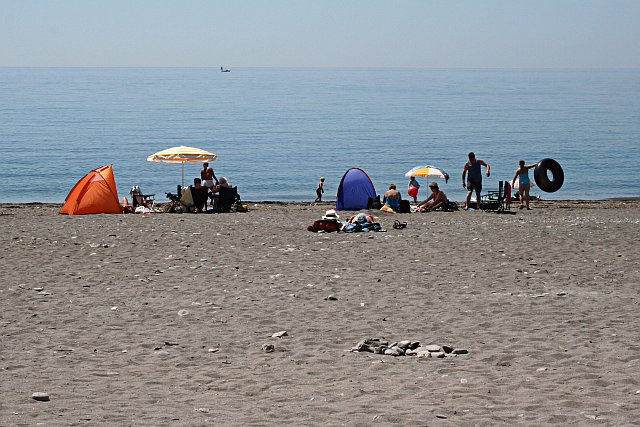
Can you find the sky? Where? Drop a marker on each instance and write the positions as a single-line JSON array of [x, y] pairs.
[[322, 33]]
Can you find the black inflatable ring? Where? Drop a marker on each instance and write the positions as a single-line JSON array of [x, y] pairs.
[[541, 175]]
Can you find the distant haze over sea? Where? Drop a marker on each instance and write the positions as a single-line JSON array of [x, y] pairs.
[[276, 131]]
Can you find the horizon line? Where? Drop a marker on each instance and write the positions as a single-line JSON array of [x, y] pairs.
[[323, 67]]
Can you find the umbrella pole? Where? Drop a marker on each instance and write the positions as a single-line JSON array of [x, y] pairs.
[[182, 163]]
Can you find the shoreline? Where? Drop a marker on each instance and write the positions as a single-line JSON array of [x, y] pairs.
[[332, 202]]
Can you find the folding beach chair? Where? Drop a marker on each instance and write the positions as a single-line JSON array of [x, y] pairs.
[[228, 199], [139, 199], [200, 197], [499, 201]]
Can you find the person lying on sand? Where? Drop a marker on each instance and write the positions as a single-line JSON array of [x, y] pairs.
[[436, 200], [360, 218]]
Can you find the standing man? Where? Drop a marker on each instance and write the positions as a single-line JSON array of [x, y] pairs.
[[473, 181], [207, 176]]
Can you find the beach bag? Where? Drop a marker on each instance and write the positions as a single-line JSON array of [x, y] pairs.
[[325, 225], [374, 202], [405, 207], [242, 207]]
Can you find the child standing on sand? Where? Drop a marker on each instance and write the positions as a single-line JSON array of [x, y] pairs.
[[320, 189], [414, 183]]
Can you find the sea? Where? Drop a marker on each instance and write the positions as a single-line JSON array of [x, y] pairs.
[[276, 131]]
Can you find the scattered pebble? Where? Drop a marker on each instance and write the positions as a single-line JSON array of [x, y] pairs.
[[331, 297], [279, 334], [40, 396], [268, 348], [213, 350], [183, 313], [541, 369]]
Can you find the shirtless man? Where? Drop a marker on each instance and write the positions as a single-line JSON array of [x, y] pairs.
[[392, 197], [207, 176], [436, 200]]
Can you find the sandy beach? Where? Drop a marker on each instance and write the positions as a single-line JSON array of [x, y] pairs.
[[161, 319]]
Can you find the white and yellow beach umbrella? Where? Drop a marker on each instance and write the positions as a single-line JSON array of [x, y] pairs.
[[181, 155], [427, 172]]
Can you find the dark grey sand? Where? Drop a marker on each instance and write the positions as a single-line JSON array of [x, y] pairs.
[[160, 319]]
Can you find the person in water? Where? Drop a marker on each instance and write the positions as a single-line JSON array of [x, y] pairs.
[[473, 180], [524, 184]]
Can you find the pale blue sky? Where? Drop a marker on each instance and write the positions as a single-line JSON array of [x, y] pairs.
[[322, 33]]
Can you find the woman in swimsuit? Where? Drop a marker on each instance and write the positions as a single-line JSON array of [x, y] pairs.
[[522, 173]]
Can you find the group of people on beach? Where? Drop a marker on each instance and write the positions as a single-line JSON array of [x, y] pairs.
[[207, 187], [472, 168], [471, 181]]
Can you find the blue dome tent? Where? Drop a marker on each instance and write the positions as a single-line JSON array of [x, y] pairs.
[[354, 190]]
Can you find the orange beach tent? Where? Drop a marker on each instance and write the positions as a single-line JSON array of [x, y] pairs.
[[94, 193]]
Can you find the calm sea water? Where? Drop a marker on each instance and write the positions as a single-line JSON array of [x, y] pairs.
[[276, 131]]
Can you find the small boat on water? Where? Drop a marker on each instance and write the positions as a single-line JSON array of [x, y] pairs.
[[224, 70]]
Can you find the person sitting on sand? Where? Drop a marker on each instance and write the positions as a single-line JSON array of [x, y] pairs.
[[435, 200], [392, 197]]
